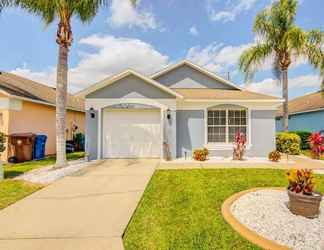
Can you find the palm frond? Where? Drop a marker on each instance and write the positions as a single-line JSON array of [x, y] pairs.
[[5, 3], [314, 51], [46, 9], [294, 40], [253, 58], [263, 25], [86, 10]]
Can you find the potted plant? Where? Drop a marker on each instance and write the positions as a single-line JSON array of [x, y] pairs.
[[201, 154], [316, 141], [239, 146], [274, 156], [2, 148], [303, 200]]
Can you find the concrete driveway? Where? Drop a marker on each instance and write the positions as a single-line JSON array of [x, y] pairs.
[[89, 210]]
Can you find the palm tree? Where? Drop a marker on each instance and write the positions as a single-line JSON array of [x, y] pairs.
[[280, 39], [63, 11], [5, 3]]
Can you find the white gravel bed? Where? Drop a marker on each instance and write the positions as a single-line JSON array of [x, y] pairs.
[[266, 213], [48, 175]]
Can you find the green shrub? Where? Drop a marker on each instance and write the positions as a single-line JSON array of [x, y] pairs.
[[288, 143], [200, 154], [2, 148], [2, 142], [274, 156], [304, 135], [79, 141]]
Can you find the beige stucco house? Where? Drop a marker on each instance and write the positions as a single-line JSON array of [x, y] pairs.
[[29, 107]]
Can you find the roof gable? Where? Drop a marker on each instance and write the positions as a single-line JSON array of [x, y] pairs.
[[188, 75], [117, 78]]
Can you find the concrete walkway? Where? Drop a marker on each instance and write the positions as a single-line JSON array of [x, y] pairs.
[[89, 210], [294, 162]]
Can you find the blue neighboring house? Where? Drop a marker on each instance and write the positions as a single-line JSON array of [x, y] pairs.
[[305, 113]]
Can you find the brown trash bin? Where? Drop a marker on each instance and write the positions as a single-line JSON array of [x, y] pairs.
[[22, 146]]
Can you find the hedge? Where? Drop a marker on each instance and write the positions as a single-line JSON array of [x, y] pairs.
[[304, 135], [287, 142]]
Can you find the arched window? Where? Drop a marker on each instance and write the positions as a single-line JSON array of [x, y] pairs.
[[223, 122]]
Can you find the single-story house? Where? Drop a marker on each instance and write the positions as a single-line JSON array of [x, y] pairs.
[[171, 113], [305, 113], [29, 107]]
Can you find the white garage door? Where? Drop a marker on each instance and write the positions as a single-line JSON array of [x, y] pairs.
[[131, 133]]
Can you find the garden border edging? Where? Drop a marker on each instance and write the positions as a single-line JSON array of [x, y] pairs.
[[244, 231]]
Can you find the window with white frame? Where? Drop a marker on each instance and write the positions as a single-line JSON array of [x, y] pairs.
[[223, 124]]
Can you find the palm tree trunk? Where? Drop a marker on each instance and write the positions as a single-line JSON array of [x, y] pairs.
[[61, 93], [285, 97]]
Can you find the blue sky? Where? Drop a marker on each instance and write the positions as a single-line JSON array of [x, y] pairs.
[[211, 33]]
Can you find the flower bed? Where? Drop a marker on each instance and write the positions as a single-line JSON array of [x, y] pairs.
[[265, 212]]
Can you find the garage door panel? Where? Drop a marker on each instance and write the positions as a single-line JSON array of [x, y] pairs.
[[132, 134]]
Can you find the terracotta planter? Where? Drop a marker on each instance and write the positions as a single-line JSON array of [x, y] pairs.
[[304, 205]]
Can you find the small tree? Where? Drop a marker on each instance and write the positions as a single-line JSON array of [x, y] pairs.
[[239, 146], [2, 148], [316, 143]]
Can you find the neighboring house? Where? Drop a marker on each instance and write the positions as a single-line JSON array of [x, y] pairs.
[[183, 106], [29, 107], [305, 113]]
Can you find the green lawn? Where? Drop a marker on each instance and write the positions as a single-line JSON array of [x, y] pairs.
[[13, 170], [309, 154], [14, 190], [181, 209]]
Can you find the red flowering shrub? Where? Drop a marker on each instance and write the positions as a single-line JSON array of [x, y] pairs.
[[316, 141], [301, 181], [200, 154], [239, 146]]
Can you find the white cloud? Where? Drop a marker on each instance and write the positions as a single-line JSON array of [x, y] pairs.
[[217, 57], [222, 58], [47, 77], [123, 13], [232, 10], [193, 31], [272, 87], [112, 55]]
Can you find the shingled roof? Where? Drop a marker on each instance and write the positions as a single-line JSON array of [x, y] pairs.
[[306, 103], [20, 87], [224, 94]]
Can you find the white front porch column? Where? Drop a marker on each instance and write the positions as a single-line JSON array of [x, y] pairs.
[[99, 154]]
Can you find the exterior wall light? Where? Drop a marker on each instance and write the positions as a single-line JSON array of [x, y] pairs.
[[92, 113], [168, 114]]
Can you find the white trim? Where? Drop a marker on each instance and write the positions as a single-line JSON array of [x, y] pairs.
[[109, 81], [235, 100], [10, 103], [249, 129], [162, 133], [99, 154], [105, 102], [182, 105], [196, 67], [223, 146]]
